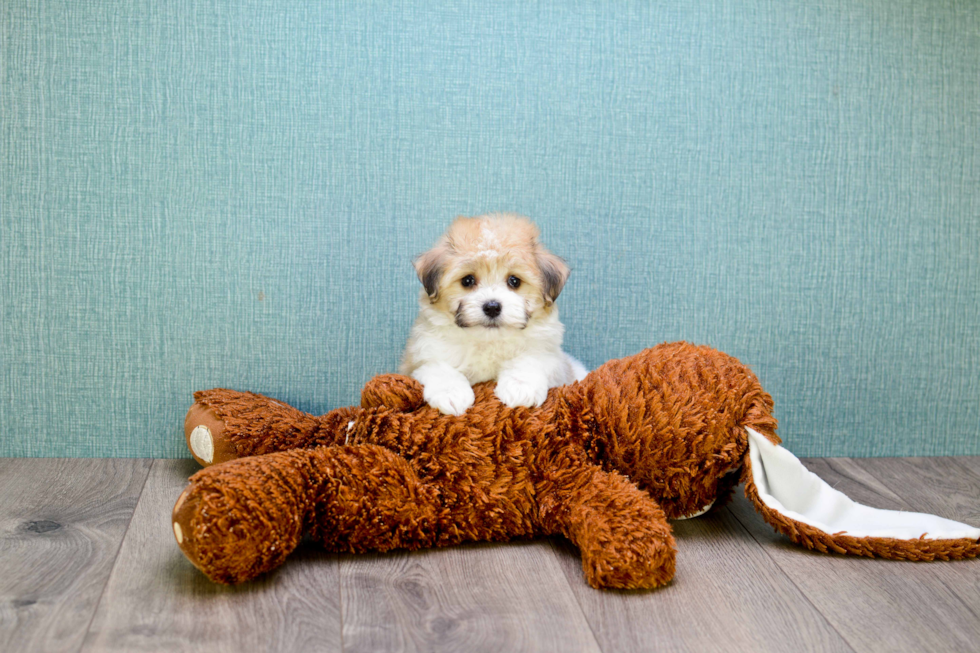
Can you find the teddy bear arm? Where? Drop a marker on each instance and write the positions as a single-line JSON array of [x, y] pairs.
[[225, 425], [393, 391], [622, 534]]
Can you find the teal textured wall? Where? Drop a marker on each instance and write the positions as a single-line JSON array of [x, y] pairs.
[[199, 194]]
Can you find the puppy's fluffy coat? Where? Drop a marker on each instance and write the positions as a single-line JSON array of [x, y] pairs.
[[487, 312]]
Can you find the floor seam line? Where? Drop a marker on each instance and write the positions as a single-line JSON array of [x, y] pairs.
[[340, 599], [115, 559], [568, 583], [790, 579]]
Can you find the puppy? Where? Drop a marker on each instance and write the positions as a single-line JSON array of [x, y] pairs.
[[487, 312]]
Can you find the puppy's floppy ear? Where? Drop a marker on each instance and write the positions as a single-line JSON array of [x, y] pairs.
[[554, 273], [429, 267]]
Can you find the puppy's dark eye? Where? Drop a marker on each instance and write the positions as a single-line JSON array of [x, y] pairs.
[[514, 282], [468, 281]]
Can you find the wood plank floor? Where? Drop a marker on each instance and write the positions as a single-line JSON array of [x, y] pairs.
[[88, 563]]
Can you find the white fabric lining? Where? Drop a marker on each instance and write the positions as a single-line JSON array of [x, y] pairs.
[[789, 488]]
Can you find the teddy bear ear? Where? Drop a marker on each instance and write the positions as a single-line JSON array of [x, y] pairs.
[[554, 274], [430, 267], [805, 508]]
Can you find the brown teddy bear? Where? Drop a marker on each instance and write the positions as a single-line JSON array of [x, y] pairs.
[[606, 462]]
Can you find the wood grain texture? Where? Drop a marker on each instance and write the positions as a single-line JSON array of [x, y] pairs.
[[948, 487], [884, 604], [488, 597], [727, 595], [72, 531], [61, 525], [156, 600], [970, 465]]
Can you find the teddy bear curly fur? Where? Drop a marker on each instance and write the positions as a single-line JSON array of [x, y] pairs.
[[605, 462]]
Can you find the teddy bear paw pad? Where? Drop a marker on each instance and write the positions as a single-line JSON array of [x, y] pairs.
[[202, 443]]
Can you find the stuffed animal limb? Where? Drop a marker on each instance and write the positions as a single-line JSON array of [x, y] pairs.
[[224, 424], [622, 534], [353, 498], [604, 461]]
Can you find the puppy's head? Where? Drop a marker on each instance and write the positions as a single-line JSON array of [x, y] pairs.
[[491, 272]]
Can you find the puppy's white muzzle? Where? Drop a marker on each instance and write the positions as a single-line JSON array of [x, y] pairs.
[[472, 310]]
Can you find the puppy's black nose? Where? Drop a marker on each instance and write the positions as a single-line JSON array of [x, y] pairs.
[[491, 308]]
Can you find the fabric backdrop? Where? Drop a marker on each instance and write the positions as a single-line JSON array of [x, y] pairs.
[[197, 194]]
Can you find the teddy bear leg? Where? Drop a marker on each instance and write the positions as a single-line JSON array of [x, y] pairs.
[[623, 535], [241, 519], [393, 391], [223, 425]]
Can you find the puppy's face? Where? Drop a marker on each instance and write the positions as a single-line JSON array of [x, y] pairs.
[[491, 273]]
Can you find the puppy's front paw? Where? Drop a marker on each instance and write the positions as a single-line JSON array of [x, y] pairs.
[[449, 398], [516, 391]]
